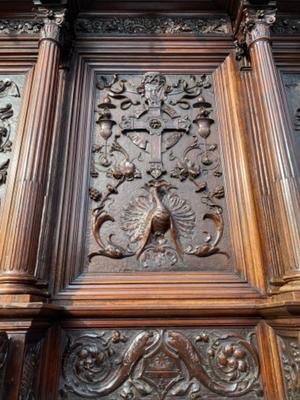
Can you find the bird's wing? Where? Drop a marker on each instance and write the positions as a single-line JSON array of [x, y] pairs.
[[182, 214], [134, 218]]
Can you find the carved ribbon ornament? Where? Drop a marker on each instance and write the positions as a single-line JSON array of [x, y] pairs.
[[157, 221]]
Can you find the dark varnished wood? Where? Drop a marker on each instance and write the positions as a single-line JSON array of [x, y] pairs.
[[187, 157]]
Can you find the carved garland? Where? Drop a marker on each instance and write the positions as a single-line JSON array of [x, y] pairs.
[[159, 364], [156, 219]]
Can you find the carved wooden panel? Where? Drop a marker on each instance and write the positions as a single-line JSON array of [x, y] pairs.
[[290, 364], [10, 102], [4, 347], [291, 83], [31, 370], [156, 179], [160, 364]]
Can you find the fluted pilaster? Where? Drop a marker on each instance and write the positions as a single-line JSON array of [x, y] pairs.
[[23, 214], [276, 153]]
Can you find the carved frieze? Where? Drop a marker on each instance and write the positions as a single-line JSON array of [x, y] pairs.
[[290, 363], [10, 87], [17, 27], [160, 364], [155, 142], [152, 25], [286, 25]]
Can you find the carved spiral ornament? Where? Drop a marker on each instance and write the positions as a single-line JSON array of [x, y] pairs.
[[160, 364], [138, 126], [234, 360]]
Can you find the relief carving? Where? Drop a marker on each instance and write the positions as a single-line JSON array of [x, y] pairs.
[[168, 26], [29, 372], [8, 89], [4, 348], [290, 359], [155, 115], [160, 364], [286, 25], [17, 27]]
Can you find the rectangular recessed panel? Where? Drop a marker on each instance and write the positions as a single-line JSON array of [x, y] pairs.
[[157, 197]]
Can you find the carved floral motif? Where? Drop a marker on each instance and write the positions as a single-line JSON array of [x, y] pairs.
[[160, 364], [17, 27], [29, 372], [290, 359], [113, 25], [158, 222], [4, 347], [286, 25]]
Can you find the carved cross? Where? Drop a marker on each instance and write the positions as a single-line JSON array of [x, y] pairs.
[[154, 91]]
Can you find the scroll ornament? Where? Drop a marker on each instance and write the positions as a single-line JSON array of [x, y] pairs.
[[157, 221], [160, 364]]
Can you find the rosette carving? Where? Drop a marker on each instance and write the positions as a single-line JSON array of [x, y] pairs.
[[161, 364]]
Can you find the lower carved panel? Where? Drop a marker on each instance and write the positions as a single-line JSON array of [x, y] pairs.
[[157, 364], [30, 371], [290, 364], [4, 347]]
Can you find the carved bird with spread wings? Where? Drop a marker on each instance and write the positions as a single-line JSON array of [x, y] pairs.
[[155, 213]]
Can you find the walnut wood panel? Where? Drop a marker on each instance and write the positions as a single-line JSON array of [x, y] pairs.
[[160, 364], [73, 254], [155, 137], [158, 310]]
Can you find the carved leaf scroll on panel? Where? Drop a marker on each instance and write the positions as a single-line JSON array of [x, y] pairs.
[[157, 364], [156, 186], [292, 86], [289, 350], [10, 101]]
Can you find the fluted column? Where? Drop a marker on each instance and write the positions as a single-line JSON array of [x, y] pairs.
[[23, 214], [278, 163]]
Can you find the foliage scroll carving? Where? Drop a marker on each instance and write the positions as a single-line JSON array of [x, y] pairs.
[[160, 364], [155, 115]]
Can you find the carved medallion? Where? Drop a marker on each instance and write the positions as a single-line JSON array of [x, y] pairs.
[[152, 147], [160, 364]]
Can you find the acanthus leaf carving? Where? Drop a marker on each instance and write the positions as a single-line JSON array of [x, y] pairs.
[[290, 359], [152, 25], [158, 222], [161, 364]]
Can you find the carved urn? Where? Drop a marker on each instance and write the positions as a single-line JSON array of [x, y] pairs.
[[202, 119], [105, 121]]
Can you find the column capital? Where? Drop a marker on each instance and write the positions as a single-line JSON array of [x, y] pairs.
[[254, 21], [54, 20]]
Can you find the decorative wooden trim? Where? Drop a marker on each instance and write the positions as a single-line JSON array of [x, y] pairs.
[[242, 215], [145, 25], [271, 374], [69, 277], [24, 219]]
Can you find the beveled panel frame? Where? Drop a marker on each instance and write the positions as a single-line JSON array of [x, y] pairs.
[[212, 55]]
